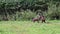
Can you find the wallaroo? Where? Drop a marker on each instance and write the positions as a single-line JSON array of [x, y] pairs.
[[40, 17]]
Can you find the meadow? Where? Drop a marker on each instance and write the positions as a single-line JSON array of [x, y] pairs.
[[29, 27]]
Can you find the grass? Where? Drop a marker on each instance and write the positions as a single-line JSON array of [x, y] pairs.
[[28, 27]]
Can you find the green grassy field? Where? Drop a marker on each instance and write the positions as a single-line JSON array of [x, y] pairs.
[[28, 27]]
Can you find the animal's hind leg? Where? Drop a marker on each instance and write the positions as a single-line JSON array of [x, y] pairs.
[[38, 21], [43, 21]]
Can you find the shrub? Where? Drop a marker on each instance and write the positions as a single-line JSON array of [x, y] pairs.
[[25, 15]]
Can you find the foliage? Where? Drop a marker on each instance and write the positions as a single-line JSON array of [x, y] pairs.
[[47, 7], [26, 15]]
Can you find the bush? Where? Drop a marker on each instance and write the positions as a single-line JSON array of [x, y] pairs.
[[25, 15], [53, 13]]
